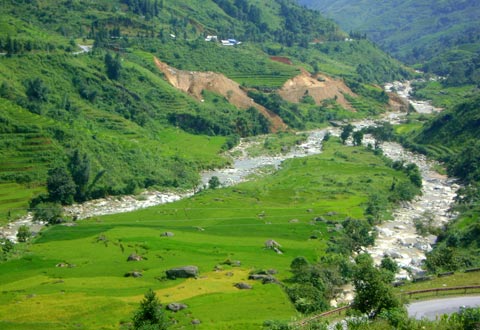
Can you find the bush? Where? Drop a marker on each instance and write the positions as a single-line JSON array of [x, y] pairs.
[[48, 212]]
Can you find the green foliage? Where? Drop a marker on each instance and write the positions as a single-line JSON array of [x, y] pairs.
[[113, 65], [60, 186], [36, 90], [214, 182], [49, 212], [469, 318], [466, 165], [373, 293], [376, 205], [357, 138], [23, 233], [357, 234], [406, 28], [7, 247], [346, 131], [149, 315], [79, 167]]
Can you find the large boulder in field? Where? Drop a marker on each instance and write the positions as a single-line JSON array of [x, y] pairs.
[[134, 257], [182, 272], [243, 286], [175, 307]]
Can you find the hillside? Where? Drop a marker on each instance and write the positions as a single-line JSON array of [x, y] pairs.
[[443, 36], [79, 78]]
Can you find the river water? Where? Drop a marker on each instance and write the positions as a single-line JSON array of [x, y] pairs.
[[397, 238]]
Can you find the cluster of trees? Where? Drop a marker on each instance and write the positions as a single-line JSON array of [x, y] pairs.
[[17, 46], [239, 123], [312, 285], [147, 8], [299, 26]]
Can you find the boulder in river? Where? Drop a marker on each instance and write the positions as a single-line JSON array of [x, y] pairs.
[[182, 272]]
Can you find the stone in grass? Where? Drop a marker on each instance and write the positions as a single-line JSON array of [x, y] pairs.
[[182, 272], [243, 286], [175, 307], [167, 234], [196, 321], [134, 257], [133, 274]]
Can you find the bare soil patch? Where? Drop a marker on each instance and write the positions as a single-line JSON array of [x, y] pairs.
[[319, 87], [193, 83]]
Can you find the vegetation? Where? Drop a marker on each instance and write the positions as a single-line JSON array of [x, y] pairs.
[[149, 314], [452, 136], [414, 31], [210, 227], [123, 122]]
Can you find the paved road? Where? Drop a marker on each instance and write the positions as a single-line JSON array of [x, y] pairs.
[[431, 308]]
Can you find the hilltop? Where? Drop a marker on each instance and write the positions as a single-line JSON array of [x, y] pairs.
[[440, 36]]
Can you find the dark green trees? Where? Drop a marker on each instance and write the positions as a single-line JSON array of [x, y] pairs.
[[23, 233], [214, 182], [36, 91], [65, 185], [346, 131], [79, 167], [149, 315], [373, 291], [60, 186], [113, 65]]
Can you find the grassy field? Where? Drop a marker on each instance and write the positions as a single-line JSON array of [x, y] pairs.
[[210, 228]]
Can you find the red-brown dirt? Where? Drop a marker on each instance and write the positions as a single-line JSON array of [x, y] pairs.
[[319, 87], [194, 83]]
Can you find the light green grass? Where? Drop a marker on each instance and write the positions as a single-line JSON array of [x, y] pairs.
[[235, 222]]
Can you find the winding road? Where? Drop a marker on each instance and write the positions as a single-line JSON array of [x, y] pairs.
[[431, 309]]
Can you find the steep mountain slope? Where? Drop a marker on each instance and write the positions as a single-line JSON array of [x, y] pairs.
[[413, 31], [79, 78]]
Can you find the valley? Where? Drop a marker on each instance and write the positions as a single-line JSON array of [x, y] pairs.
[[235, 164]]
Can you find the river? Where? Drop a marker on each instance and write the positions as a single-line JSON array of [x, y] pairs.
[[396, 238]]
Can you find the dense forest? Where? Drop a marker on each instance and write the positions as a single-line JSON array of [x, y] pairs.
[[441, 37]]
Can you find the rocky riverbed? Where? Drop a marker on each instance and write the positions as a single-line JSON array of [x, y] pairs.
[[396, 238]]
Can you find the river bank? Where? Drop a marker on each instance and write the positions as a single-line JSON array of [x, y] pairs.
[[396, 238]]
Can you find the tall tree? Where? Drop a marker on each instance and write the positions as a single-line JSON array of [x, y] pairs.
[[79, 167], [149, 315], [373, 293], [113, 65], [346, 131], [60, 185]]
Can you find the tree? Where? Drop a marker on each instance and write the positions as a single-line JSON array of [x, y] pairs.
[[390, 267], [114, 66], [346, 131], [357, 138], [357, 234], [60, 186], [48, 212], [36, 90], [373, 293], [79, 167], [214, 182], [376, 204], [23, 233], [149, 315]]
